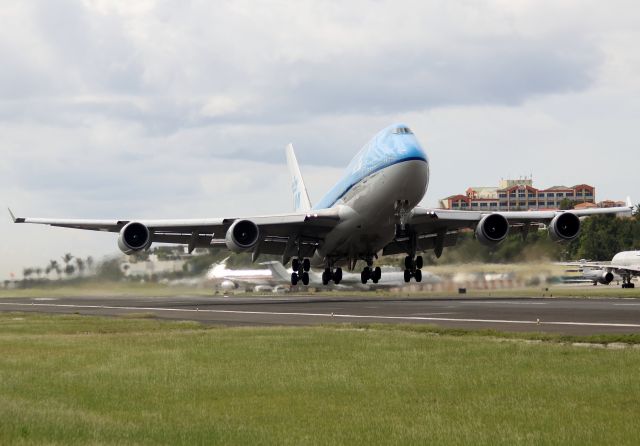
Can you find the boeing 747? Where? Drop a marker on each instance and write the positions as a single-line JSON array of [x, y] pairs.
[[373, 210]]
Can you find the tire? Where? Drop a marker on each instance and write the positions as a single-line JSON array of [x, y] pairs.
[[377, 274], [306, 264], [337, 277], [325, 278], [294, 279], [305, 278], [363, 277], [418, 275], [295, 264], [408, 263], [419, 262], [407, 276]]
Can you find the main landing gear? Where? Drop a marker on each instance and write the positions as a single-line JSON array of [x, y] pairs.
[[412, 268], [300, 271], [627, 283], [328, 276], [369, 273]]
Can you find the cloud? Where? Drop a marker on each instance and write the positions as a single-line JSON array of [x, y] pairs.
[[171, 68]]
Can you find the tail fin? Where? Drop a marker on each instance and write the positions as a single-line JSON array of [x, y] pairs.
[[278, 271], [301, 200]]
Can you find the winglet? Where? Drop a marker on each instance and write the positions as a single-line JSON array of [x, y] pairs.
[[301, 200], [629, 204], [14, 218]]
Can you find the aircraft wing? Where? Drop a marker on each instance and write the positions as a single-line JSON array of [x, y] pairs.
[[278, 233], [438, 228]]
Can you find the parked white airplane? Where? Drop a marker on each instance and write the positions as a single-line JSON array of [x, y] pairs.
[[229, 279], [625, 264], [372, 210]]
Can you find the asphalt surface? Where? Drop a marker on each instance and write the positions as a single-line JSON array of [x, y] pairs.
[[571, 316]]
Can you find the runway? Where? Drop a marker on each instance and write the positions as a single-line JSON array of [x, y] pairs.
[[571, 316]]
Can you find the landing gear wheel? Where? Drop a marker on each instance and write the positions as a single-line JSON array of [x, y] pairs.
[[377, 274], [306, 264], [326, 276], [408, 263], [295, 264], [419, 262], [418, 275], [294, 279], [407, 276], [337, 276], [305, 278], [365, 275]]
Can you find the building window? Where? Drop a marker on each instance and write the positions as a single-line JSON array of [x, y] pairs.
[[493, 205], [550, 195]]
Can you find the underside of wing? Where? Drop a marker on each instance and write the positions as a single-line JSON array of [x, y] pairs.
[[283, 234], [437, 228]]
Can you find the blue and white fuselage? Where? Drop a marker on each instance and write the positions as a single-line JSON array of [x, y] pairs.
[[387, 177]]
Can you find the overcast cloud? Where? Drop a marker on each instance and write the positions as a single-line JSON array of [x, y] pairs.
[[182, 109]]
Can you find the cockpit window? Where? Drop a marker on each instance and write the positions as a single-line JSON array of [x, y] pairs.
[[403, 131]]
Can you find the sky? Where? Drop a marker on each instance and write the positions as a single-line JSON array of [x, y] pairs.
[[182, 109]]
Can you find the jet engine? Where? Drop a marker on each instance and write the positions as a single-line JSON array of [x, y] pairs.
[[242, 235], [134, 237], [605, 278], [564, 227], [492, 229]]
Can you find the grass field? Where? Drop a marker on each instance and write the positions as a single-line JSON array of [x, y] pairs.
[[85, 380]]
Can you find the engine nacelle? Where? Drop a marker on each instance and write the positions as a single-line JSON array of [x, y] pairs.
[[134, 237], [605, 278], [242, 235], [564, 227], [492, 229]]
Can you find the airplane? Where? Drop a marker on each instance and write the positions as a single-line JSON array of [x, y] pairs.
[[625, 264], [372, 210], [229, 279]]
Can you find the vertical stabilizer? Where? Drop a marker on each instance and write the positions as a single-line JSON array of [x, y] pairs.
[[278, 271], [301, 200]]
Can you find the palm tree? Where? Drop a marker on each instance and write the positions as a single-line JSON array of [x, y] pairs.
[[68, 269], [26, 273], [53, 266], [38, 272], [80, 265]]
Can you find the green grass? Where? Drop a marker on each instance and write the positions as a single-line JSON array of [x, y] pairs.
[[87, 380]]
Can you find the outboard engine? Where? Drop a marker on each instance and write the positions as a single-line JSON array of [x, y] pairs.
[[242, 235], [564, 227], [492, 229], [134, 237]]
